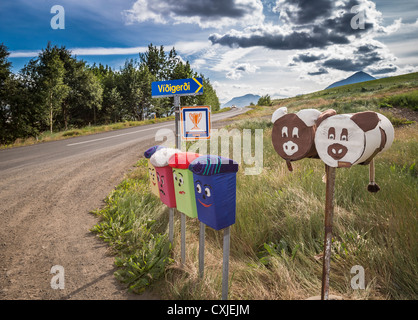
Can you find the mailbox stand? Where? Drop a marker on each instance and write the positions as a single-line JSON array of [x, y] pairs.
[[201, 250], [225, 263], [329, 212]]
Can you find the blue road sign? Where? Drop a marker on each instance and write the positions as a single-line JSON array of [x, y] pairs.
[[182, 87]]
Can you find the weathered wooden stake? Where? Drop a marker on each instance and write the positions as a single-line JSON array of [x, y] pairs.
[[329, 212]]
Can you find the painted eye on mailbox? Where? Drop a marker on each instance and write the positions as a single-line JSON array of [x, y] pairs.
[[198, 188], [181, 180], [175, 176], [207, 192], [158, 177]]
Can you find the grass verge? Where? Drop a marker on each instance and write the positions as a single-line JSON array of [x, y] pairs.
[[277, 241]]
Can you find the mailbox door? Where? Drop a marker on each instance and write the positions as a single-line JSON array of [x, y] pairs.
[[216, 199], [166, 186], [184, 190]]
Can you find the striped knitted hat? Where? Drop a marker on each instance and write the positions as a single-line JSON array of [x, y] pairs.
[[148, 154], [209, 165]]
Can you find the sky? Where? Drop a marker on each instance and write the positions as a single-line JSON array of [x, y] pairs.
[[278, 47]]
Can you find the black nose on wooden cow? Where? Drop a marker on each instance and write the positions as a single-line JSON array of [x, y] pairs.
[[337, 151]]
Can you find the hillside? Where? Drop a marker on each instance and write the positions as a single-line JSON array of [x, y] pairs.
[[355, 78], [277, 240], [242, 101]]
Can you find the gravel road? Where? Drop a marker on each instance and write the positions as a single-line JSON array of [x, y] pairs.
[[46, 194]]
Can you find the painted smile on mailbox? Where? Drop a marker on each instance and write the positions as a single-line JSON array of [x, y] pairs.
[[205, 205], [204, 192], [182, 192]]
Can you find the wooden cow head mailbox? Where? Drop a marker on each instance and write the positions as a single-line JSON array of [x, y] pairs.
[[294, 133], [345, 140]]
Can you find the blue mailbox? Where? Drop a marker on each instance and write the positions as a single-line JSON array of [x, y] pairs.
[[215, 185]]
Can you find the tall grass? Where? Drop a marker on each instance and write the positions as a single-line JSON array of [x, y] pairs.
[[277, 240]]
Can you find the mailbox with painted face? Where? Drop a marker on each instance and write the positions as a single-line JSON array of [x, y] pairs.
[[215, 190], [165, 175], [294, 133], [151, 170], [347, 139], [183, 182]]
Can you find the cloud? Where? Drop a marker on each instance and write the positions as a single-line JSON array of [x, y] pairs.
[[319, 72], [205, 13], [311, 24], [84, 52], [237, 72]]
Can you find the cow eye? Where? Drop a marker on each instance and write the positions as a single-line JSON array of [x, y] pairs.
[[285, 132], [331, 133], [344, 135], [295, 133]]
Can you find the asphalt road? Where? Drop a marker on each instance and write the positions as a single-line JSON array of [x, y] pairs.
[[47, 192], [40, 153]]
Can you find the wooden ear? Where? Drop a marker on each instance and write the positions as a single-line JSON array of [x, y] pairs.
[[367, 120], [278, 114], [324, 115]]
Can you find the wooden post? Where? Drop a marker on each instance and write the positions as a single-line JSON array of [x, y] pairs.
[[329, 212]]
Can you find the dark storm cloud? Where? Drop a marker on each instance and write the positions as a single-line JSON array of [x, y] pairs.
[[358, 63], [296, 40], [201, 8], [319, 72], [315, 24], [389, 69], [308, 57], [305, 11]]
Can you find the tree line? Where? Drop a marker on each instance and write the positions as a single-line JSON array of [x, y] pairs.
[[56, 91]]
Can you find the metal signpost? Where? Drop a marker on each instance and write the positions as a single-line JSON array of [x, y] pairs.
[[176, 89]]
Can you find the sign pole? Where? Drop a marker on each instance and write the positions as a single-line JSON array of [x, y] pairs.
[[178, 146], [225, 266], [329, 212], [201, 250]]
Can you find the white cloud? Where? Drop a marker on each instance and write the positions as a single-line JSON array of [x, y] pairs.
[[83, 52]]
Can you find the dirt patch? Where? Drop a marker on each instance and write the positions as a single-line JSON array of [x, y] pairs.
[[403, 113], [45, 221]]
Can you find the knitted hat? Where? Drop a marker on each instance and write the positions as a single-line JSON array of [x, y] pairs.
[[210, 165], [151, 151], [182, 160]]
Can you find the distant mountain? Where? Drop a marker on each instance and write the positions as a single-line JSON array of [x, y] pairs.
[[242, 101], [355, 78]]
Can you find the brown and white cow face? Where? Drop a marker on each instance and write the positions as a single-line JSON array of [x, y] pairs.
[[293, 134], [347, 139]]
